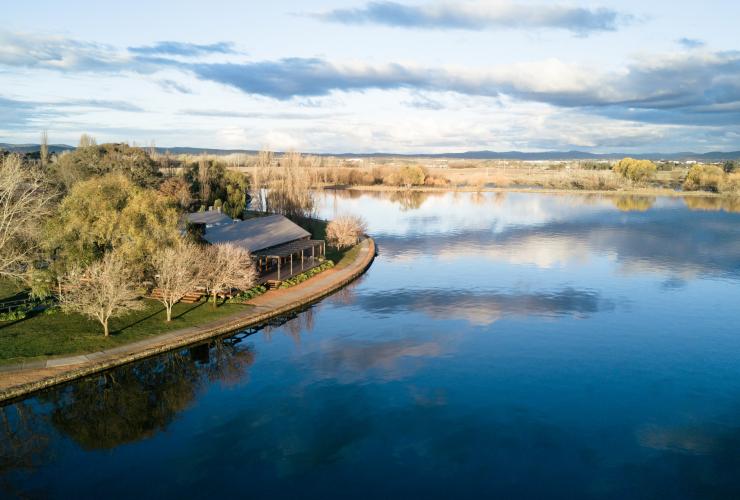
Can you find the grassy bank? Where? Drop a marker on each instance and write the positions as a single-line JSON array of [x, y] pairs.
[[46, 335], [42, 335]]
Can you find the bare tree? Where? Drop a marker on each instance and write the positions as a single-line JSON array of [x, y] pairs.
[[86, 141], [177, 273], [102, 291], [345, 231], [261, 178], [25, 199], [204, 178], [291, 192], [44, 148], [226, 267]]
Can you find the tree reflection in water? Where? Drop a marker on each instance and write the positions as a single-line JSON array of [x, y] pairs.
[[632, 203], [713, 204], [24, 443], [136, 401]]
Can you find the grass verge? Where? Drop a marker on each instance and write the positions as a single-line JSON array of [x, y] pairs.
[[43, 335]]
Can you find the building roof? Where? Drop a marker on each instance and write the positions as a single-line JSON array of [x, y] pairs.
[[209, 218], [258, 233]]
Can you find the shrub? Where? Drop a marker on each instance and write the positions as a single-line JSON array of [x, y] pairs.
[[635, 170], [407, 176], [345, 231], [731, 184], [248, 294], [300, 278], [436, 181], [16, 314], [704, 178]]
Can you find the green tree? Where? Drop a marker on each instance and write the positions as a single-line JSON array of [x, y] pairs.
[[237, 187], [92, 160], [109, 213]]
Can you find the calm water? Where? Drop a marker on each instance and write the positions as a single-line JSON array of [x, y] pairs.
[[511, 345]]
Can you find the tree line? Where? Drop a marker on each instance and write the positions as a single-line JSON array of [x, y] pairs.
[[92, 225]]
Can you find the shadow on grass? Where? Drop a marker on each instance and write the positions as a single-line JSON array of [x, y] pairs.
[[140, 320], [29, 315], [161, 310], [195, 306], [20, 295]]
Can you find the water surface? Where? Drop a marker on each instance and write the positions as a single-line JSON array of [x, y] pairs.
[[512, 345]]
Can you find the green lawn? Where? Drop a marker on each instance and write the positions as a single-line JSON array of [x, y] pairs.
[[10, 290], [43, 335], [58, 334]]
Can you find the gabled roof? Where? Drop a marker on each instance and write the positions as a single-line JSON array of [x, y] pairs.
[[209, 218], [257, 233]]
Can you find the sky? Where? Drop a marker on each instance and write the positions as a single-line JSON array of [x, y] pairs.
[[414, 76]]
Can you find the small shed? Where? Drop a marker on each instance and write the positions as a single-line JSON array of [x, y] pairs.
[[209, 218]]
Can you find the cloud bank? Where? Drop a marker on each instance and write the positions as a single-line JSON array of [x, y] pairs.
[[480, 16], [184, 49], [687, 96], [696, 88]]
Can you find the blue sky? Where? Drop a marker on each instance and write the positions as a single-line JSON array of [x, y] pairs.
[[397, 76]]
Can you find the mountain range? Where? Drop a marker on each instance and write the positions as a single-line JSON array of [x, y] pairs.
[[468, 155]]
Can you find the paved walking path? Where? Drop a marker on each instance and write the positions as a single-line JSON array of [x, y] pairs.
[[20, 380]]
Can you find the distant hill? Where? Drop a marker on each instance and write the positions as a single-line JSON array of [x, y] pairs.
[[471, 155], [32, 148]]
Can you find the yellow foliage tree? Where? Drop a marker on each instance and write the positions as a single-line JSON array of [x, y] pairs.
[[636, 170]]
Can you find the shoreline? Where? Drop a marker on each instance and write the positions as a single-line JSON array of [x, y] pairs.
[[17, 382], [667, 192]]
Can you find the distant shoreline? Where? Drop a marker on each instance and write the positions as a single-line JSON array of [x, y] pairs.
[[637, 191]]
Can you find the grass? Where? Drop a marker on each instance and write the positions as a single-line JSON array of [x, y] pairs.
[[44, 335], [10, 290], [346, 257]]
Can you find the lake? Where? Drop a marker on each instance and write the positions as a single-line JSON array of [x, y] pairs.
[[502, 345]]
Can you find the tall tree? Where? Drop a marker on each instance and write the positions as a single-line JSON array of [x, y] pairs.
[[204, 179], [261, 175], [177, 272], [25, 200], [108, 213], [237, 187], [291, 189], [93, 161], [44, 148], [226, 267], [103, 290]]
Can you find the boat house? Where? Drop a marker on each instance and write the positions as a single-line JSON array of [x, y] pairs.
[[280, 247]]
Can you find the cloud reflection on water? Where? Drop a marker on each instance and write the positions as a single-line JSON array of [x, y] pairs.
[[482, 308]]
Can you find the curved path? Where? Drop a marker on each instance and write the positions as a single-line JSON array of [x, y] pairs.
[[16, 382]]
